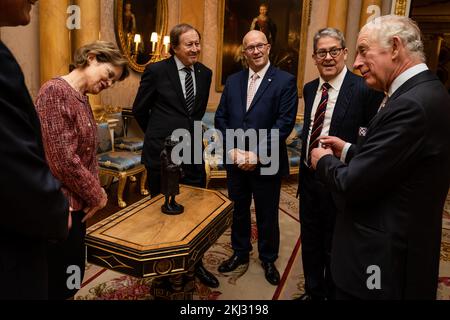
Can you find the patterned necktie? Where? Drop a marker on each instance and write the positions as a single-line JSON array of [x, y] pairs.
[[189, 88], [318, 121], [251, 89]]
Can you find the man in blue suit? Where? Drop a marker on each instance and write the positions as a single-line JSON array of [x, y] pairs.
[[257, 99], [337, 103]]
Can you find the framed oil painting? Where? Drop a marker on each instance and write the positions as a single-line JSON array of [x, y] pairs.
[[285, 23]]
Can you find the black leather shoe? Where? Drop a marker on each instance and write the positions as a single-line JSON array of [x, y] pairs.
[[206, 277], [232, 263], [271, 273]]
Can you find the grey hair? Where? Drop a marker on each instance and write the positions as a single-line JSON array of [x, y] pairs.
[[385, 28], [329, 32]]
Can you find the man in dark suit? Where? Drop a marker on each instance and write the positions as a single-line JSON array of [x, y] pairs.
[[337, 103], [259, 98], [387, 237], [34, 210], [172, 95]]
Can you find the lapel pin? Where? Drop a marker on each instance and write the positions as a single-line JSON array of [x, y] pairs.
[[269, 80]]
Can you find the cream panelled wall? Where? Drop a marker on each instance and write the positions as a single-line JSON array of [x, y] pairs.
[[203, 15], [26, 50]]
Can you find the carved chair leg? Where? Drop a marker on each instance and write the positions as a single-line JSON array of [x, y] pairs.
[[120, 188], [144, 190], [208, 174], [109, 180]]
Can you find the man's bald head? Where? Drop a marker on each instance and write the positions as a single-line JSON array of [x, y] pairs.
[[254, 33], [256, 49]]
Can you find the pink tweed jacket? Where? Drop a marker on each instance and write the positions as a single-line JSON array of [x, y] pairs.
[[70, 141]]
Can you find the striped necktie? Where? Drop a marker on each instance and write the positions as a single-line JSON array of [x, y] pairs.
[[318, 121], [189, 88]]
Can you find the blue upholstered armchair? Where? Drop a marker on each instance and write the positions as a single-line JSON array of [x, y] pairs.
[[119, 163], [121, 140], [214, 166]]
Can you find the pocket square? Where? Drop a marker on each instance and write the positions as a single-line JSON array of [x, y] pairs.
[[362, 131]]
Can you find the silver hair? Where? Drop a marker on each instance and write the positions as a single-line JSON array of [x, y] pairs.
[[385, 28], [329, 32]]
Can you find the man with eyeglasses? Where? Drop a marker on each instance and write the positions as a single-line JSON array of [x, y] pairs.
[[259, 98], [387, 240], [337, 103]]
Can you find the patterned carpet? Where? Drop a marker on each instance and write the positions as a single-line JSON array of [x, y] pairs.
[[245, 284]]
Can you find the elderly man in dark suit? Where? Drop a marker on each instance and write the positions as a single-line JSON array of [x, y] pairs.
[[337, 103], [34, 209], [387, 238], [257, 99], [172, 95]]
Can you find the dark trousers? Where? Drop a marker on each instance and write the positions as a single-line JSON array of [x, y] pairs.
[[317, 219], [61, 255], [342, 295], [23, 268], [265, 190]]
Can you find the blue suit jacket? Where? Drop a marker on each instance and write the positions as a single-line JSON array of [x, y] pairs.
[[273, 107]]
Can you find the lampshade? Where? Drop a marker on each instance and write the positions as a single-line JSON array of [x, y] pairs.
[[166, 40], [137, 38], [154, 37]]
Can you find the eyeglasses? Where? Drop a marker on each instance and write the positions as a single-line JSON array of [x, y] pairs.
[[259, 46], [321, 54], [111, 76]]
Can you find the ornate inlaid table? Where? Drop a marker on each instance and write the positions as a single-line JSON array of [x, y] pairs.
[[141, 241]]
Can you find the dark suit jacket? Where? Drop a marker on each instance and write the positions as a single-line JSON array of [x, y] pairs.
[[355, 107], [394, 187], [34, 209], [274, 106], [160, 106]]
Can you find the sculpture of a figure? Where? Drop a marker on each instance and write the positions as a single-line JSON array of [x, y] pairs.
[[170, 178]]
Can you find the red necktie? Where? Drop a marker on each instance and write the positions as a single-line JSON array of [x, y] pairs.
[[318, 121]]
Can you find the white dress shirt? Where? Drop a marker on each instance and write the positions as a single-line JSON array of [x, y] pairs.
[[182, 75], [333, 93]]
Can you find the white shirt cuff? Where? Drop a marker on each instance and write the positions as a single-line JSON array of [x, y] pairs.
[[344, 151]]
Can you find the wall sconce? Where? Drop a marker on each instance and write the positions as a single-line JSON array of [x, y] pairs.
[[166, 42], [153, 40], [137, 40]]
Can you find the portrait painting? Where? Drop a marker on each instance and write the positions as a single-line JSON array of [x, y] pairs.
[[284, 22]]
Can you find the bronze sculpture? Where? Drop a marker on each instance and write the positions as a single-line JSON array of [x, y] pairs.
[[170, 178]]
